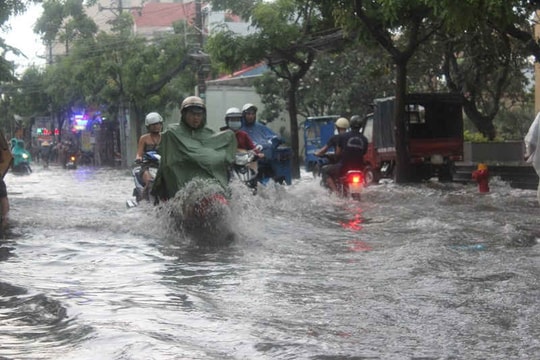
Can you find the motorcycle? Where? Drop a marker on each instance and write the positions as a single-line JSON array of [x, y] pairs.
[[71, 162], [21, 158], [191, 184], [201, 210], [276, 164], [244, 169], [21, 164], [150, 163], [349, 184]]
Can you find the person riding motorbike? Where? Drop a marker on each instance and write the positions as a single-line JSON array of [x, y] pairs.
[[233, 121], [258, 132], [350, 150], [192, 150], [149, 142], [21, 156], [267, 139], [341, 124]]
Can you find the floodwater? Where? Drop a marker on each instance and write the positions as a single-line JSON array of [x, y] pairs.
[[430, 271]]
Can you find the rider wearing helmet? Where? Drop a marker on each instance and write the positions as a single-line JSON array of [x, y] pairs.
[[193, 112], [264, 138], [350, 148], [356, 123], [150, 140], [233, 120], [341, 124], [191, 150], [258, 132]]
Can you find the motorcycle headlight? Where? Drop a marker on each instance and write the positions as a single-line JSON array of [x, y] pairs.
[[241, 159], [25, 156]]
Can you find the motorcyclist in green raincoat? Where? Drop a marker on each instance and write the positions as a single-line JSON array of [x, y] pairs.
[[20, 154], [190, 150]]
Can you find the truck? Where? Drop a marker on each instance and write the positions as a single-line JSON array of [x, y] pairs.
[[433, 136]]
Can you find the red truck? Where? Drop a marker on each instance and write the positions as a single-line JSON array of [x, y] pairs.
[[433, 135]]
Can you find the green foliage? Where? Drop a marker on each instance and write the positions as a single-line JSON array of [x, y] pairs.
[[474, 137], [7, 10], [227, 50], [29, 97], [344, 83], [513, 124], [64, 20]]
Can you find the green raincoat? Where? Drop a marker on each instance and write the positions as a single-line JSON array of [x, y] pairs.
[[187, 154]]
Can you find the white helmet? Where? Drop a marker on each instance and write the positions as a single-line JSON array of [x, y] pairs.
[[233, 113], [342, 123], [248, 106], [153, 118]]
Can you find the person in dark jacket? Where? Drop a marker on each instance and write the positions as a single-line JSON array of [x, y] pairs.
[[350, 150]]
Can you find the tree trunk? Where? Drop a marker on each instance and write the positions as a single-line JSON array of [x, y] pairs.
[[402, 172], [295, 163], [484, 124]]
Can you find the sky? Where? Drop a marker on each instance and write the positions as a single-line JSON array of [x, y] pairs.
[[23, 38]]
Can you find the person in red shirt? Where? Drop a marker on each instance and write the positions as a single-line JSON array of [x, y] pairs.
[[233, 120]]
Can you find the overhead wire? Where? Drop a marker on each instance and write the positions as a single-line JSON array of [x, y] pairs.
[[96, 50]]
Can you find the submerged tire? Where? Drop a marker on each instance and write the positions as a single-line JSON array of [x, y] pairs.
[[369, 176]]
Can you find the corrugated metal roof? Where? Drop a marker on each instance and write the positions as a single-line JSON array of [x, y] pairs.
[[247, 71]]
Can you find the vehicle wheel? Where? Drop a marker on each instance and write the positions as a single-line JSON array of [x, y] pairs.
[[316, 170], [446, 174], [369, 176]]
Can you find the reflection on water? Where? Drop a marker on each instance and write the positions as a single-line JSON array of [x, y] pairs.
[[432, 271]]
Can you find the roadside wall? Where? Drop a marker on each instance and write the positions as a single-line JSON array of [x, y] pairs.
[[508, 152], [223, 94]]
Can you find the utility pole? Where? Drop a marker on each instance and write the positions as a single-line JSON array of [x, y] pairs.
[[122, 111], [201, 59]]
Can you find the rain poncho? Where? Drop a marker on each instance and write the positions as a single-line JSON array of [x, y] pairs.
[[187, 154], [20, 154], [532, 141], [261, 135]]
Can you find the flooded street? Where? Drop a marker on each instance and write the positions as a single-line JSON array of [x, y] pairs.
[[431, 271]]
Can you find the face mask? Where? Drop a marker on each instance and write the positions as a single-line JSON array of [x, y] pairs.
[[235, 124]]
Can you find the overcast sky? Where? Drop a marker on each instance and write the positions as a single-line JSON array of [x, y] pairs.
[[22, 37]]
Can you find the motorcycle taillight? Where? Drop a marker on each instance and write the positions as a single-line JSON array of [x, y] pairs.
[[355, 178]]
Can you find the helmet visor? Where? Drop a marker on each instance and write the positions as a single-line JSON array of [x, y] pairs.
[[195, 109]]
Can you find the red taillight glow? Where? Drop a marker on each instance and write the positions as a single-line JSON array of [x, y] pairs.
[[356, 178]]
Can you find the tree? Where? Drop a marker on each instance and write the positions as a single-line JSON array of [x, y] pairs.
[[284, 38], [7, 10], [342, 83], [400, 28], [65, 21]]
